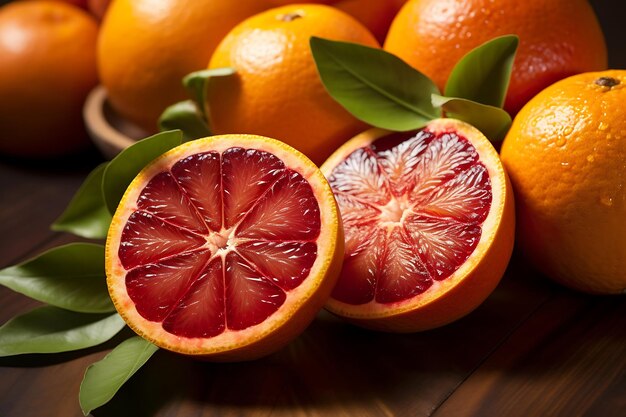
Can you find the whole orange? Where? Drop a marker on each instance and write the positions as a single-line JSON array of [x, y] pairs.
[[146, 47], [558, 38], [48, 66], [566, 156], [276, 90]]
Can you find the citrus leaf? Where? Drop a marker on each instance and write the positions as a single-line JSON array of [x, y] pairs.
[[104, 378], [51, 329], [185, 116], [197, 83], [126, 165], [483, 74], [70, 277], [87, 214], [494, 122], [374, 85]]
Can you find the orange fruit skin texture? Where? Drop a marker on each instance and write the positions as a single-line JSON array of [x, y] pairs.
[[558, 38], [146, 47], [48, 66], [469, 286], [566, 155], [376, 15], [276, 90]]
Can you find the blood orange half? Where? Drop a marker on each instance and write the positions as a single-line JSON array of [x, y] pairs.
[[429, 225], [224, 247]]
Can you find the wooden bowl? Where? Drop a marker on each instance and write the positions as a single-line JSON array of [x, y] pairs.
[[109, 131]]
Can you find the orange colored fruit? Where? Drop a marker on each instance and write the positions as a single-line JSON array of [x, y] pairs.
[[558, 38], [47, 68], [376, 15], [146, 48], [429, 224], [566, 153], [276, 90], [224, 247]]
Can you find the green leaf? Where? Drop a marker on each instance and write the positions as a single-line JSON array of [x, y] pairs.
[[87, 214], [70, 277], [483, 74], [492, 121], [197, 83], [374, 85], [104, 378], [51, 330], [127, 164], [186, 117]]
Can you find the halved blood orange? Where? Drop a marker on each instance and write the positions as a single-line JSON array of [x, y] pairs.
[[429, 224], [224, 247]]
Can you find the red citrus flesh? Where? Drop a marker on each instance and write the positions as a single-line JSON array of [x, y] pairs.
[[429, 224], [412, 206], [215, 242]]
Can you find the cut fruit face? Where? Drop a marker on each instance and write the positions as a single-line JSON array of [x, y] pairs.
[[224, 247], [421, 212]]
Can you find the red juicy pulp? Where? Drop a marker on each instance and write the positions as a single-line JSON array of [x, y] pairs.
[[412, 206], [218, 241]]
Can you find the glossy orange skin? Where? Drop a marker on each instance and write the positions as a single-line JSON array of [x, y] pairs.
[[276, 91], [48, 66], [566, 156], [558, 38], [146, 47]]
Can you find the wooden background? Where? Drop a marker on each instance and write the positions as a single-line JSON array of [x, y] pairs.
[[532, 349]]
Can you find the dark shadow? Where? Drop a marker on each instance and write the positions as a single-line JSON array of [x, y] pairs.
[[335, 364], [78, 162]]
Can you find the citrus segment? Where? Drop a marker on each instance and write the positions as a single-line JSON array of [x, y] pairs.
[[214, 239], [287, 263], [199, 175], [164, 198], [247, 175], [421, 212], [285, 212], [157, 287], [147, 238]]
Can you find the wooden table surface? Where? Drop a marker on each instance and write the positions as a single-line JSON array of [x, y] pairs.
[[532, 349]]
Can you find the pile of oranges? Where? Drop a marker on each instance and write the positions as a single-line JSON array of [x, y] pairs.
[[560, 153], [141, 51]]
